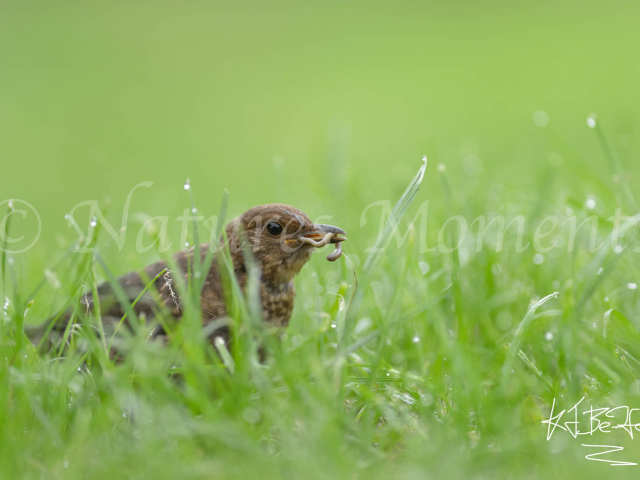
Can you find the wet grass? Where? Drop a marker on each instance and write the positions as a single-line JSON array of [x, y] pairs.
[[436, 364]]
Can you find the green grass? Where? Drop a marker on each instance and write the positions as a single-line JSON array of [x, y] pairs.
[[406, 374], [434, 364]]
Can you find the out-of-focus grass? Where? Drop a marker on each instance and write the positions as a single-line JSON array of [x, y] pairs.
[[390, 388], [445, 370]]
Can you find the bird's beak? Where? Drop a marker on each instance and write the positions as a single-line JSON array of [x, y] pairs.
[[321, 235]]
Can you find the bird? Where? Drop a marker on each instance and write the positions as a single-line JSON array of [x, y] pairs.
[[280, 240]]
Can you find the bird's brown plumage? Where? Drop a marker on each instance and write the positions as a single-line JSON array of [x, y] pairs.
[[278, 257]]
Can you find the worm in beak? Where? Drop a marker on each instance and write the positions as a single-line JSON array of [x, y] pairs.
[[322, 235]]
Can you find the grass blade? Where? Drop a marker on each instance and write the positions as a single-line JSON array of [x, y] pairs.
[[383, 241], [453, 239], [133, 306], [518, 337], [213, 247]]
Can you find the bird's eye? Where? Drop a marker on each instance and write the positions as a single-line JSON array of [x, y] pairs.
[[274, 229]]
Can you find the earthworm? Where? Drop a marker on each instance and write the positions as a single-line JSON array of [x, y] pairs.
[[320, 243], [332, 257]]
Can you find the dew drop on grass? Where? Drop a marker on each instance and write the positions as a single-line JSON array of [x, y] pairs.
[[606, 299], [472, 165], [600, 270], [187, 185], [617, 249], [548, 336], [94, 221], [415, 339], [590, 203], [424, 267], [591, 121], [540, 119], [333, 325], [186, 244], [194, 210], [555, 284], [569, 212], [279, 161], [538, 258], [632, 286], [251, 415]]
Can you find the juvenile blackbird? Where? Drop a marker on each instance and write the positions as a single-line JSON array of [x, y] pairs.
[[280, 239]]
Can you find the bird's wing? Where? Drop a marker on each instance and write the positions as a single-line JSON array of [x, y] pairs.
[[161, 295]]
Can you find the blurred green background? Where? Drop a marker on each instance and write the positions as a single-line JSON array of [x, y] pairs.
[[328, 106]]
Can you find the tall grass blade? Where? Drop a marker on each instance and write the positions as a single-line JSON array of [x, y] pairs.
[[214, 245], [383, 241], [518, 337], [455, 258]]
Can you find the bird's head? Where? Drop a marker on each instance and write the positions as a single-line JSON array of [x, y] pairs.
[[281, 239]]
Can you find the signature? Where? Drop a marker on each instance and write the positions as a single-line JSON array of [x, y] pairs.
[[604, 420]]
